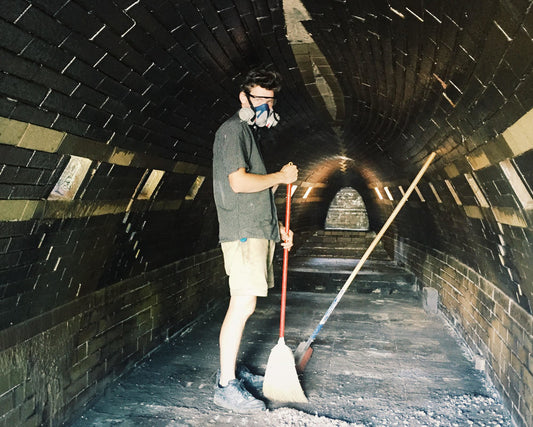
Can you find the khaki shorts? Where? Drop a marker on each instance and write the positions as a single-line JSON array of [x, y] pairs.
[[249, 266]]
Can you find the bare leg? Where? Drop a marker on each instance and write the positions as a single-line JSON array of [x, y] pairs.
[[239, 310]]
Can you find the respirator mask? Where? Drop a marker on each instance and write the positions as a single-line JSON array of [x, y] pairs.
[[261, 116]]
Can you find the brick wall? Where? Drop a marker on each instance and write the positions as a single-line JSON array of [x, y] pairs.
[[53, 364], [347, 211], [137, 86], [53, 251], [492, 323]]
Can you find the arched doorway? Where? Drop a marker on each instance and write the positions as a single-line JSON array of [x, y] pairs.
[[347, 211]]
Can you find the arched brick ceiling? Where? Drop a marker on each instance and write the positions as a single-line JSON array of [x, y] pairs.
[[413, 76], [371, 87], [131, 93], [417, 76]]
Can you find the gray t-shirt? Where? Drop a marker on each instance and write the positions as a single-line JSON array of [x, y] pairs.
[[241, 215]]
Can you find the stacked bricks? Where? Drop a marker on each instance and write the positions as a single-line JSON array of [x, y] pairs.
[[53, 364], [491, 322], [347, 211]]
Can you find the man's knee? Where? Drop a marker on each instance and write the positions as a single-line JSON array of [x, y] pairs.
[[243, 304]]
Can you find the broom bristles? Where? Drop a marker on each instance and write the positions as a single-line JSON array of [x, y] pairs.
[[302, 356], [281, 381]]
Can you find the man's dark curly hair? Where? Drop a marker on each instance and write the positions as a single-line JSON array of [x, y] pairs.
[[267, 79]]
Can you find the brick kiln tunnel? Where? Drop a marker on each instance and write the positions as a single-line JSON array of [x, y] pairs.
[[108, 109]]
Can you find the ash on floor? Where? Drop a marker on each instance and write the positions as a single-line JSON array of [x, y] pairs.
[[379, 361]]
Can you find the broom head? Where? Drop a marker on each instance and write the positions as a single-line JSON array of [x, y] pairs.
[[281, 382], [302, 355]]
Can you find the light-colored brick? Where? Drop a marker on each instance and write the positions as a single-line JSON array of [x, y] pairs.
[[519, 136], [11, 131], [41, 139]]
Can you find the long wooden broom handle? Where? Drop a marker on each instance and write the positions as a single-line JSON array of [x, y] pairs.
[[285, 264], [370, 249]]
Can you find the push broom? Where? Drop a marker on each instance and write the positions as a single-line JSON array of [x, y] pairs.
[[304, 350], [281, 381]]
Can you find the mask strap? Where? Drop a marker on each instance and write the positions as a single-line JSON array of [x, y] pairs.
[[252, 119], [250, 102]]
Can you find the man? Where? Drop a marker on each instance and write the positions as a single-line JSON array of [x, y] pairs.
[[248, 227]]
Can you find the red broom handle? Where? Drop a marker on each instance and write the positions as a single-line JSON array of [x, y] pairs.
[[285, 264]]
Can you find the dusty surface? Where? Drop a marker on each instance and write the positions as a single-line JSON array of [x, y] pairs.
[[379, 361]]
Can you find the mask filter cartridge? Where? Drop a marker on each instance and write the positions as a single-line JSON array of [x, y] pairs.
[[263, 116]]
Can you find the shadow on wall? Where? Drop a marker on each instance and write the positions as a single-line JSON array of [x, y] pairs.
[[347, 211]]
